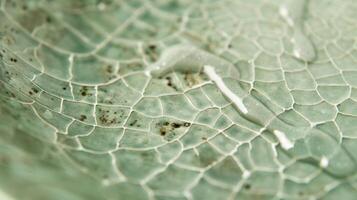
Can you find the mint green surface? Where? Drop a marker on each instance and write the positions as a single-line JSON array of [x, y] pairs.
[[93, 106]]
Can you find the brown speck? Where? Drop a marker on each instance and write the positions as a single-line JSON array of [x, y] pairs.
[[10, 94], [152, 47], [151, 52], [105, 118], [35, 90], [170, 84], [247, 186], [133, 123], [48, 19], [84, 91], [176, 125], [162, 131], [109, 69], [186, 124], [82, 118]]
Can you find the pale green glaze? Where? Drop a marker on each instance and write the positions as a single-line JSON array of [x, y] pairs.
[[106, 100]]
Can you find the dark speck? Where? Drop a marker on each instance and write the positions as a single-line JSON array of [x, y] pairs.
[[84, 91], [133, 123], [48, 19], [186, 124], [176, 125], [247, 186], [10, 94], [152, 47], [82, 118], [170, 84], [162, 131], [35, 90], [110, 69]]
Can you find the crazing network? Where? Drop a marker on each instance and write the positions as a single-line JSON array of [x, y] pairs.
[[81, 78]]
